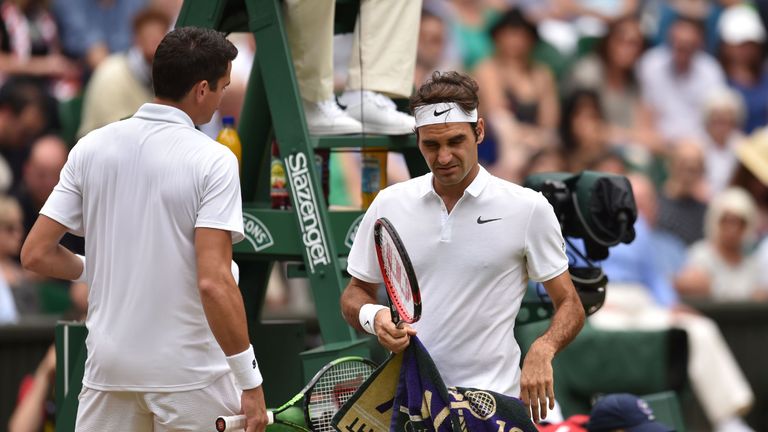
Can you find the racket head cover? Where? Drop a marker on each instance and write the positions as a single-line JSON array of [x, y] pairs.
[[397, 272]]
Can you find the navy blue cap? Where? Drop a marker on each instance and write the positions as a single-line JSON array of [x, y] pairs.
[[624, 411]]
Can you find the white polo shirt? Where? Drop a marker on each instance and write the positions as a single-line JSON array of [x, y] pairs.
[[472, 266], [137, 189]]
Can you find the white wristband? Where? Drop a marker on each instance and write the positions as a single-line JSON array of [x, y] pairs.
[[235, 272], [245, 369], [367, 314], [83, 276]]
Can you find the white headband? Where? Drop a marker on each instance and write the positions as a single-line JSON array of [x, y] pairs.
[[443, 112]]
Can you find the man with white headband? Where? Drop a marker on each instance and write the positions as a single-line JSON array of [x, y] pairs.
[[474, 241]]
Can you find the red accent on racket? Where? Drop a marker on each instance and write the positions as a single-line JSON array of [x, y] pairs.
[[397, 271]]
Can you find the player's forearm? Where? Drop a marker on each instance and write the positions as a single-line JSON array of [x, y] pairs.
[[225, 312], [352, 299], [565, 325], [55, 261]]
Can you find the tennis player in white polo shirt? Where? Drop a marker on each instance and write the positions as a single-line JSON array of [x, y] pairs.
[[474, 241], [159, 205]]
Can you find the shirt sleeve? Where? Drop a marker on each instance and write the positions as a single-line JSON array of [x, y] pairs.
[[221, 206], [65, 203], [544, 245], [362, 262]]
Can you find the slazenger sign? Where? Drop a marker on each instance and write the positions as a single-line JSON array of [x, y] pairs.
[[312, 236], [256, 233]]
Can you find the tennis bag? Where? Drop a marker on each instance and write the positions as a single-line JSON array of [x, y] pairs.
[[407, 394]]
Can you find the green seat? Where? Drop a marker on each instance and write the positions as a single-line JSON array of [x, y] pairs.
[[54, 297], [600, 362], [550, 56], [666, 408], [70, 112]]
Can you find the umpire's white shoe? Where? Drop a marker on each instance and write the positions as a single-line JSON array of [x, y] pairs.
[[377, 112], [327, 118]]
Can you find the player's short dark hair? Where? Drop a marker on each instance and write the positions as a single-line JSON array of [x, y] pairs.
[[448, 87], [188, 55]]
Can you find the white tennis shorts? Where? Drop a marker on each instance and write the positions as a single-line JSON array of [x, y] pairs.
[[194, 410]]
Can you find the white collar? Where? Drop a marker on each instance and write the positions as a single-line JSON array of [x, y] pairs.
[[162, 112], [475, 188]]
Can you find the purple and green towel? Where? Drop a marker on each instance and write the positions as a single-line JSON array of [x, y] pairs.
[[407, 394]]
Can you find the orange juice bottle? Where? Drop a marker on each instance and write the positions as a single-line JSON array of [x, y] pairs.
[[228, 137]]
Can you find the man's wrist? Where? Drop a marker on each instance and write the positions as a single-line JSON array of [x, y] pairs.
[[246, 369], [367, 316], [544, 347]]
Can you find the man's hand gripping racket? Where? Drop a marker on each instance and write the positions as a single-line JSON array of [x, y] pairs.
[[322, 397], [401, 284]]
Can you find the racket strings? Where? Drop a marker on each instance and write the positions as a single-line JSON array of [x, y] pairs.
[[395, 268], [332, 390], [482, 403]]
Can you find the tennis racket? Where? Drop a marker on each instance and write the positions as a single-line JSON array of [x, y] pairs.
[[397, 271], [323, 395]]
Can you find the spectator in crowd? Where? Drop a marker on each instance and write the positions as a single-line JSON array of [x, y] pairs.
[[41, 174], [11, 234], [623, 411], [610, 71], [742, 53], [751, 174], [519, 96], [662, 14], [723, 117], [471, 21], [29, 46], [682, 203], [548, 159], [92, 29], [640, 297], [384, 51], [718, 267], [675, 80], [606, 11], [23, 117], [123, 81], [431, 52], [36, 409], [670, 252], [583, 130]]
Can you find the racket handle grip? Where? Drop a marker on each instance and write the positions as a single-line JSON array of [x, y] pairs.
[[235, 422], [230, 423]]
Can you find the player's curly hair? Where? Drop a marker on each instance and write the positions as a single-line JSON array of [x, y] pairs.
[[447, 87]]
